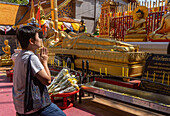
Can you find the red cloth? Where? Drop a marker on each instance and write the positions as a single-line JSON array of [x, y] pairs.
[[38, 17]]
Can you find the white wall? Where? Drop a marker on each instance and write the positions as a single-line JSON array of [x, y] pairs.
[[86, 8]]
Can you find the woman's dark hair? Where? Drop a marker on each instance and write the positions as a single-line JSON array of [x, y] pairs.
[[82, 21], [139, 11], [24, 34]]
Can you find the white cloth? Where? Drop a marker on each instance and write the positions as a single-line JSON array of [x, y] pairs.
[[8, 28], [68, 25]]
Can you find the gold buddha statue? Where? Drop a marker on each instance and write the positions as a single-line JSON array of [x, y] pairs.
[[7, 50], [86, 41], [6, 58], [163, 32], [51, 38], [138, 30]]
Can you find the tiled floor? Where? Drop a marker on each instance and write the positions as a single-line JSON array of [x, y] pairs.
[[6, 102]]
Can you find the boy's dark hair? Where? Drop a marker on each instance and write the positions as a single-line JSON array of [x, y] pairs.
[[24, 34]]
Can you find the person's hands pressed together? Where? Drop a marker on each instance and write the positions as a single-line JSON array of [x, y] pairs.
[[43, 55]]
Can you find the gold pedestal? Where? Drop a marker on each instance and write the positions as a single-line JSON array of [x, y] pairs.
[[129, 64], [112, 68], [135, 38], [6, 62]]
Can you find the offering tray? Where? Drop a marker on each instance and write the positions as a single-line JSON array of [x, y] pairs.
[[65, 98], [145, 99]]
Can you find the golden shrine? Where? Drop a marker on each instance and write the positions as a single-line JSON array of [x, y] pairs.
[[107, 7]]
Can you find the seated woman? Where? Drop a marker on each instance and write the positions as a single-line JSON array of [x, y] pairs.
[[163, 32], [7, 51], [82, 28], [139, 23]]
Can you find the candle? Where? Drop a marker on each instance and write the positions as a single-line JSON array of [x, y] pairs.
[[150, 5], [139, 3], [123, 71], [154, 77], [124, 10], [72, 65], [165, 6], [58, 63], [63, 63], [106, 71], [162, 6], [100, 71], [145, 2], [147, 75], [168, 79], [153, 7], [66, 64], [127, 72], [163, 78]]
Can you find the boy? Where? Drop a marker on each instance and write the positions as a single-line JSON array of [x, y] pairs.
[[30, 41]]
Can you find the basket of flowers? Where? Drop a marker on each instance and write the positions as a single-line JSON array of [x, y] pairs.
[[65, 86]]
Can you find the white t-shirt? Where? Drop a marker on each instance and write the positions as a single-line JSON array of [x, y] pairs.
[[19, 77]]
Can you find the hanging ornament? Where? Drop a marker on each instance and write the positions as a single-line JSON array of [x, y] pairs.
[[5, 29]]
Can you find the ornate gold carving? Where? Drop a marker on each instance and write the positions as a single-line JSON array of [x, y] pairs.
[[113, 56]]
